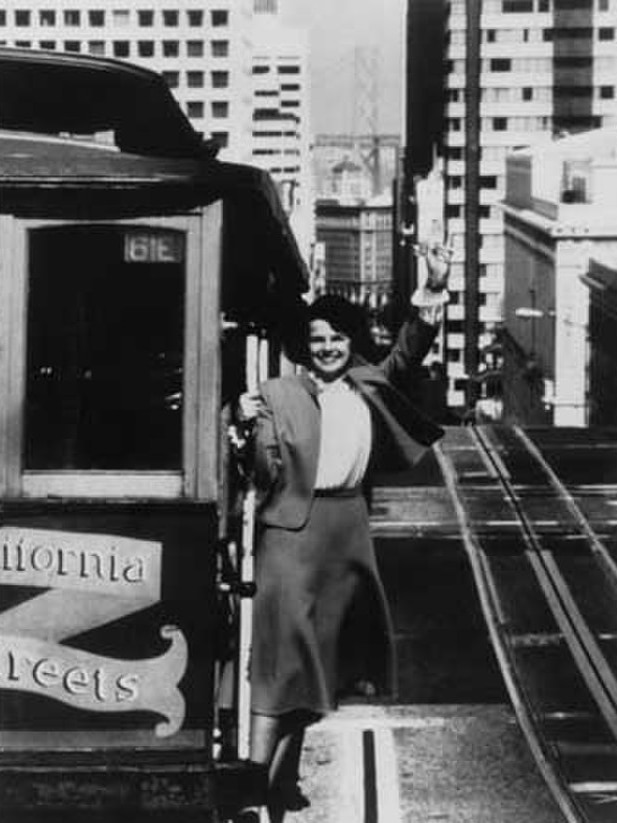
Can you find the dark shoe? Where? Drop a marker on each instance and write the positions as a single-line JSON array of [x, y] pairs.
[[291, 798], [247, 816]]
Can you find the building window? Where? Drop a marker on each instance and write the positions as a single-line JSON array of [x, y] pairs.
[[488, 181], [170, 48], [290, 87], [172, 78], [145, 17], [121, 17], [195, 79], [195, 17], [500, 123], [501, 64], [220, 48], [122, 48], [572, 62], [261, 69], [145, 48], [527, 93], [603, 5], [220, 108], [72, 17], [195, 109], [96, 47], [607, 92], [195, 48], [516, 6], [170, 17], [23, 44], [96, 18], [71, 45], [2, 17], [219, 79], [219, 17], [606, 33], [544, 5], [48, 45], [47, 17], [288, 69], [455, 123], [221, 137], [22, 18]]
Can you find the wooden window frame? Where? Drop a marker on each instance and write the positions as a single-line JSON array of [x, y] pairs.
[[198, 478]]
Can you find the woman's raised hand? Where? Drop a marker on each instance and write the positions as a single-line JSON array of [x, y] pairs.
[[438, 257]]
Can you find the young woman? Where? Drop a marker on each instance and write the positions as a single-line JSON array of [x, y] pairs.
[[321, 627]]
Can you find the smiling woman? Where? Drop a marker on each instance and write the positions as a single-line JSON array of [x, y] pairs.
[[321, 626]]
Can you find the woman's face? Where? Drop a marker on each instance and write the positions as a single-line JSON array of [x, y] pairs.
[[329, 350]]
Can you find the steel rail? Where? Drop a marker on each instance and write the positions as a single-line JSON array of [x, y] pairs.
[[497, 627], [580, 639]]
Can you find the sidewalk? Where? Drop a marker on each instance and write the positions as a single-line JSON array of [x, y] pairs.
[[422, 764]]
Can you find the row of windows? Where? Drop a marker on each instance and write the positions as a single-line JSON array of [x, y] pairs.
[[536, 65], [117, 17], [218, 109], [517, 124], [521, 6], [127, 48], [260, 68], [196, 79], [544, 94], [486, 153], [535, 35]]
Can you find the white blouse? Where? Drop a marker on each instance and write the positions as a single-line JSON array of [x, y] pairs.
[[346, 437]]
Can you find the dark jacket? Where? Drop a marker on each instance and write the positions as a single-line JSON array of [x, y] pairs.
[[288, 429]]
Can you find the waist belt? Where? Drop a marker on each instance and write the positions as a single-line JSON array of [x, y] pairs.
[[355, 491]]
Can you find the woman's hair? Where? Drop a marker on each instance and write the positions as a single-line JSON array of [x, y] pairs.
[[346, 317]]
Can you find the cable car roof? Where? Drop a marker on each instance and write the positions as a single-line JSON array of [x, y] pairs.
[[158, 164], [51, 93]]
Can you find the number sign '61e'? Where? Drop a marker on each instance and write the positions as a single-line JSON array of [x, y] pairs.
[[151, 246]]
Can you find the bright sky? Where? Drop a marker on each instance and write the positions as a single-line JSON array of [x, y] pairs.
[[336, 28]]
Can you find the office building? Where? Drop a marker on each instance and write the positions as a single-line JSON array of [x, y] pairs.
[[516, 70], [281, 115], [560, 361], [356, 236]]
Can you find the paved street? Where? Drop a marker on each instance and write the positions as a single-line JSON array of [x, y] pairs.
[[422, 764]]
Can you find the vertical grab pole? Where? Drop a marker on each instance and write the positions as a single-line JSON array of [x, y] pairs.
[[247, 570]]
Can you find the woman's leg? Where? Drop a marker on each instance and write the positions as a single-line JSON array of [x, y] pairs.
[[265, 735], [285, 766]]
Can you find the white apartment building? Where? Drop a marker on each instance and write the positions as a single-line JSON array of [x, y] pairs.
[[281, 116], [201, 47], [516, 70]]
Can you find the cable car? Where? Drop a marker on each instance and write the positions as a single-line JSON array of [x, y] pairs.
[[131, 261]]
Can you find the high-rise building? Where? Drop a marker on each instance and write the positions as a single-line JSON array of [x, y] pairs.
[[281, 115], [201, 48], [515, 71], [560, 250]]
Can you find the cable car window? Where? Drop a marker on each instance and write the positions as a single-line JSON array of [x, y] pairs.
[[105, 348]]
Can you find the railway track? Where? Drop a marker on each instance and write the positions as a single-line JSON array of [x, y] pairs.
[[541, 547]]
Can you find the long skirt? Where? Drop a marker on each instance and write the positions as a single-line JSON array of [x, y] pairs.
[[320, 621]]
